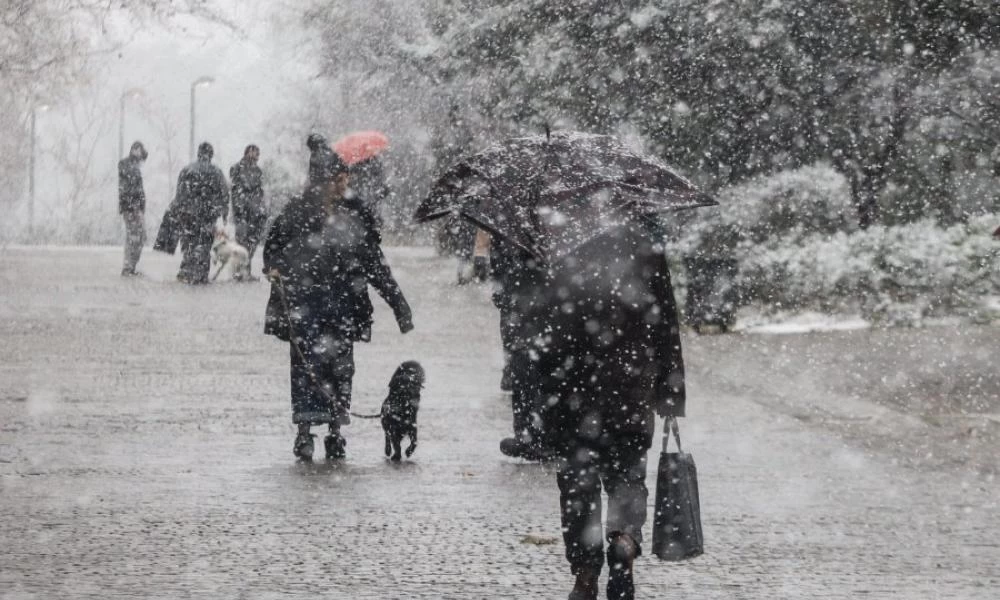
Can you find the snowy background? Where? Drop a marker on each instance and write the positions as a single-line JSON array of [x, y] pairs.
[[806, 137]]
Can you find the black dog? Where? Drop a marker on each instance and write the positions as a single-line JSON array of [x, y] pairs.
[[399, 411]]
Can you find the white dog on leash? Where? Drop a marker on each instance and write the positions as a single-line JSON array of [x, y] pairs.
[[227, 252]]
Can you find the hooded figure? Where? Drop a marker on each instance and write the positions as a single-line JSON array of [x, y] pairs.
[[249, 212], [132, 206], [598, 334], [321, 254], [202, 197]]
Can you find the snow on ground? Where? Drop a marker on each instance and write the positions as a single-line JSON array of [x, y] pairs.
[[804, 322], [145, 451]]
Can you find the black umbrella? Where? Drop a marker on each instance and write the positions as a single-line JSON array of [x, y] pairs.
[[550, 194]]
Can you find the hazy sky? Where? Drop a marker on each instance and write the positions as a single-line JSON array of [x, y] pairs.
[[257, 74]]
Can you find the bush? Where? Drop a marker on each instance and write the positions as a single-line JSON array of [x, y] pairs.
[[798, 248], [932, 270]]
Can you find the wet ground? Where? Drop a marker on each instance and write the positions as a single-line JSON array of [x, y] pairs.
[[145, 451]]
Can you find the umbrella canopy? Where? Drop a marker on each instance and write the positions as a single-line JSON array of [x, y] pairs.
[[550, 194], [360, 146]]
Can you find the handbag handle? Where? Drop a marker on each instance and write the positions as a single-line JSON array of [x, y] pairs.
[[670, 426]]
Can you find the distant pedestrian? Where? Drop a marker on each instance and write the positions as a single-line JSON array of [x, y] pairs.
[[249, 210], [321, 254], [202, 197], [132, 206]]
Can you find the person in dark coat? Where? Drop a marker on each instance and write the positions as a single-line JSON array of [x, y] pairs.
[[605, 348], [321, 254], [132, 206], [368, 183], [202, 197], [518, 280], [249, 212]]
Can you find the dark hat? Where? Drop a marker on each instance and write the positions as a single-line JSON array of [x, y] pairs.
[[205, 150], [325, 165], [315, 141]]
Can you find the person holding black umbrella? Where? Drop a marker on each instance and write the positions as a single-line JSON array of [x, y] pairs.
[[596, 317], [321, 254]]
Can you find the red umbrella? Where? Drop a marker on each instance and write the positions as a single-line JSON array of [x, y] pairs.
[[361, 145]]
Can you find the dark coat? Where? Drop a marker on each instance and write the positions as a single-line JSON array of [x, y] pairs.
[[327, 261], [247, 192], [202, 195], [601, 326], [131, 195]]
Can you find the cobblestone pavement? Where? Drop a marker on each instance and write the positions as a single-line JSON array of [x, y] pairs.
[[145, 452]]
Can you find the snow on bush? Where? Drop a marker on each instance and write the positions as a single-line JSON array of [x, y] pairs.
[[795, 239]]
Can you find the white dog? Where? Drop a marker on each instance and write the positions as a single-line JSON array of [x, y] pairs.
[[227, 252]]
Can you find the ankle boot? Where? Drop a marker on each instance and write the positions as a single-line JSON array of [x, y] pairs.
[[622, 551], [585, 587]]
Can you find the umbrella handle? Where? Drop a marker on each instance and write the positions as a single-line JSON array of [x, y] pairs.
[[670, 426]]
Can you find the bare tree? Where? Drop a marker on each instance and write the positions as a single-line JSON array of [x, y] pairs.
[[89, 184]]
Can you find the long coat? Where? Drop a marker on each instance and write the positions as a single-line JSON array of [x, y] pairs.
[[602, 328], [247, 191], [131, 195], [327, 260], [202, 197], [202, 194]]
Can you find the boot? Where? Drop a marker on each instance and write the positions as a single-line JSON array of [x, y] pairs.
[[335, 444], [303, 448], [585, 587], [622, 551]]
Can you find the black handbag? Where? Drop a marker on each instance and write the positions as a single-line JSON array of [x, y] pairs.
[[677, 522]]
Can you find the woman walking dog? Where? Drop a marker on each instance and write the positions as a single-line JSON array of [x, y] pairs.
[[321, 254]]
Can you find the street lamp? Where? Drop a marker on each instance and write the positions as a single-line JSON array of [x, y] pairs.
[[132, 93], [31, 167], [201, 81]]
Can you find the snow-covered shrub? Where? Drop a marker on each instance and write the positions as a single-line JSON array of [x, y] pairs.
[[916, 268], [795, 238], [786, 206]]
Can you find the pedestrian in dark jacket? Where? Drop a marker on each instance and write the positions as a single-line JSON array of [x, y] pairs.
[[249, 212], [202, 197], [605, 345], [132, 206], [321, 254], [517, 280]]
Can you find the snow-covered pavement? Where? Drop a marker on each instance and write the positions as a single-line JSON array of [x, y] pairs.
[[145, 451]]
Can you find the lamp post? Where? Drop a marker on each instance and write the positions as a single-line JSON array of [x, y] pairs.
[[201, 81], [31, 166], [132, 93]]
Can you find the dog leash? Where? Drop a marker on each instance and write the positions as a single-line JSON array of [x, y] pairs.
[[298, 350]]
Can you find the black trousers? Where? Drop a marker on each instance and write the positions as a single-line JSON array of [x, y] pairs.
[[197, 261], [524, 396], [325, 364], [249, 229], [618, 466]]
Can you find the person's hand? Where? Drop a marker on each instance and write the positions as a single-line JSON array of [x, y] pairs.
[[274, 275], [405, 323]]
